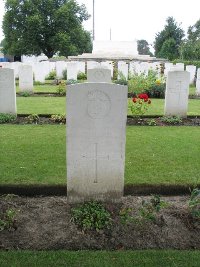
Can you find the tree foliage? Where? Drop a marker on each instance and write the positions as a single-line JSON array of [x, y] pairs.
[[190, 49], [143, 47], [168, 41], [32, 27]]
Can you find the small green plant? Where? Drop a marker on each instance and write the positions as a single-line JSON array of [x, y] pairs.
[[91, 216], [125, 215], [194, 203], [5, 118], [25, 93], [81, 76], [33, 118], [151, 122], [150, 208], [71, 81], [61, 88], [60, 118], [7, 219], [171, 120], [51, 76]]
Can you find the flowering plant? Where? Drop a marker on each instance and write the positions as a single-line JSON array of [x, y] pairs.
[[140, 104]]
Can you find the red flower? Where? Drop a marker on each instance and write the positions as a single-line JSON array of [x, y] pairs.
[[143, 96], [134, 100]]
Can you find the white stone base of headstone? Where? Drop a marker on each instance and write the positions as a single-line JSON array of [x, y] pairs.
[[7, 91], [96, 134], [176, 95]]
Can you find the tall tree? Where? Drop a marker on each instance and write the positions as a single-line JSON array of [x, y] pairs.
[[190, 49], [32, 27], [143, 47], [168, 41], [194, 31]]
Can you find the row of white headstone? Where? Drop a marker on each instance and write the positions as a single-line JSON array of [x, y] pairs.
[[176, 97], [96, 129]]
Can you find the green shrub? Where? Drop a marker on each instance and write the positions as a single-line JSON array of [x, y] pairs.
[[33, 118], [194, 203], [5, 118], [91, 216], [171, 120], [25, 93], [61, 88], [51, 76], [60, 118], [156, 90], [139, 83], [81, 76]]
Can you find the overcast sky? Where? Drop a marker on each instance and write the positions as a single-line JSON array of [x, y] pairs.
[[134, 19]]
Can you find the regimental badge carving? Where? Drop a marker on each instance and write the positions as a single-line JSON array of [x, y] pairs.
[[99, 104], [99, 75]]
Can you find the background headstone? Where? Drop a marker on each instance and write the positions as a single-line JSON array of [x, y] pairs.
[[192, 70], [96, 132], [198, 82], [26, 78], [122, 69], [99, 75], [72, 71], [176, 95], [7, 91]]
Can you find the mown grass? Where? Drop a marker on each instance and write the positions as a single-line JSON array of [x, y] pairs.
[[36, 154], [140, 258], [41, 105], [56, 105]]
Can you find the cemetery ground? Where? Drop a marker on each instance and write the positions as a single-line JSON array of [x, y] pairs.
[[155, 156]]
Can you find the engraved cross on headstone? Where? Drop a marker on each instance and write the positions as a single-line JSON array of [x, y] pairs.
[[95, 155]]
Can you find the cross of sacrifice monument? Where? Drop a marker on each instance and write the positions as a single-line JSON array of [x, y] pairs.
[[96, 134]]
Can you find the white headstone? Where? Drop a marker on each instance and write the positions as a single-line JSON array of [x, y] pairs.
[[41, 70], [81, 67], [93, 64], [96, 132], [72, 71], [7, 91], [192, 70], [181, 66], [168, 66], [26, 78], [99, 75], [198, 82], [15, 66], [122, 70], [60, 67], [176, 95]]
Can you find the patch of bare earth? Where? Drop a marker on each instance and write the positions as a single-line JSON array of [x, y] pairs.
[[45, 223]]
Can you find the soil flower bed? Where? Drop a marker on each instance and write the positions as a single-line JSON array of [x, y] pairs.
[[45, 223]]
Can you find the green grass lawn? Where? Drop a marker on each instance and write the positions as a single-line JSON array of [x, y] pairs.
[[41, 105], [144, 258], [36, 154], [56, 105]]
